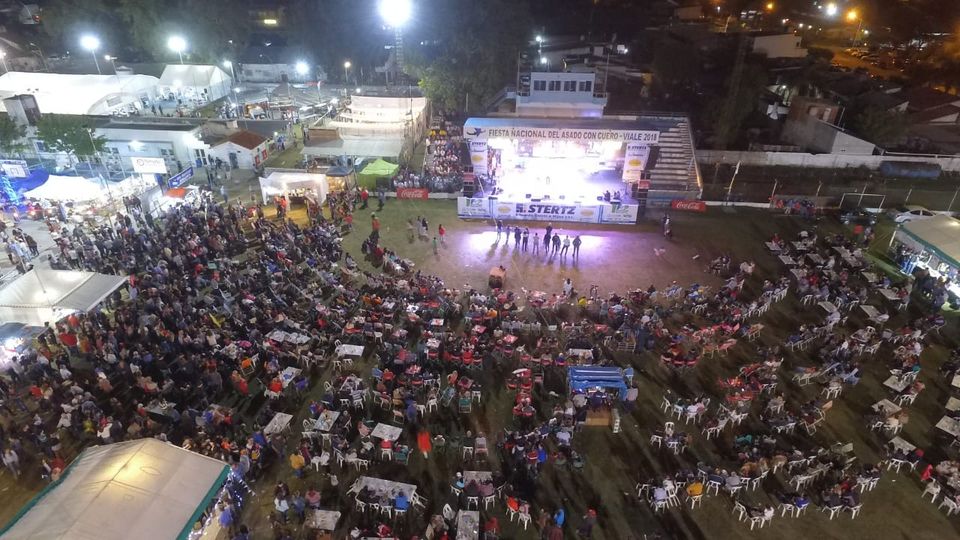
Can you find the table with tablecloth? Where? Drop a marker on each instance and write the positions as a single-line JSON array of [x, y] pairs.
[[278, 423], [468, 525]]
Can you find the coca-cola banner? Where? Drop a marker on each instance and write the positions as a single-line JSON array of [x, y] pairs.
[[412, 193], [688, 206]]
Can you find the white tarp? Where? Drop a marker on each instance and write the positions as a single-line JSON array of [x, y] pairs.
[[280, 183], [144, 489], [43, 295], [196, 79], [59, 93], [940, 233], [388, 149], [67, 188]]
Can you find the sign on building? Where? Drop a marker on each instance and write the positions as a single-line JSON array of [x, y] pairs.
[[15, 168], [180, 178], [149, 165]]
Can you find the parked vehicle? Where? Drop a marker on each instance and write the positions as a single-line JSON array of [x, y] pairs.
[[906, 214]]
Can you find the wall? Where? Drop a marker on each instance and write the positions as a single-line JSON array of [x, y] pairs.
[[814, 134], [245, 156], [267, 72], [824, 161], [779, 46], [152, 144]]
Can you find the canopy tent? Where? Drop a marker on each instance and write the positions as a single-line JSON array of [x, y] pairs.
[[939, 235], [43, 295], [283, 183], [60, 93], [67, 188], [584, 378], [378, 169], [341, 178], [195, 81], [144, 489]]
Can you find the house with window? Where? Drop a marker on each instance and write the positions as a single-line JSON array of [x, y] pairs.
[[569, 94], [240, 148]]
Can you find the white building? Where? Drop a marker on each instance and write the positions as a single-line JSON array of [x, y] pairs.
[[779, 45], [276, 64], [566, 94], [243, 149], [195, 82], [178, 143], [58, 93]]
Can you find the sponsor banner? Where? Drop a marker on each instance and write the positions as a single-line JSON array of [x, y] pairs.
[[178, 179], [643, 184], [634, 160], [545, 211], [15, 168], [473, 208], [688, 206], [149, 165], [478, 157], [412, 193], [561, 134], [619, 213]]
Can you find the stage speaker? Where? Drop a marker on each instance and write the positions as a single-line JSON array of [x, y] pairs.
[[563, 197], [534, 200], [546, 197], [528, 195]]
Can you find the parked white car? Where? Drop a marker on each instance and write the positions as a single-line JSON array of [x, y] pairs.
[[910, 213]]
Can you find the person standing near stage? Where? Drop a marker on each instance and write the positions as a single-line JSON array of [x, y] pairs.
[[441, 231], [576, 246], [536, 243], [546, 238], [556, 243], [546, 243], [499, 229], [364, 195], [516, 237], [566, 246], [526, 238]]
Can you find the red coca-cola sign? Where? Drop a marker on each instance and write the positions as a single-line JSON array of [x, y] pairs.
[[412, 193], [688, 206]]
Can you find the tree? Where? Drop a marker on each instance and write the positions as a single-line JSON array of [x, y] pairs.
[[728, 114], [879, 126], [68, 133], [11, 136], [477, 52]]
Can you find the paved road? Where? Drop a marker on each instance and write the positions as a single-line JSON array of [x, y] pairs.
[[841, 58]]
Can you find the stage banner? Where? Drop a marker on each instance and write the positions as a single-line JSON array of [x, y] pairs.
[[560, 134], [544, 212], [688, 206], [473, 208], [413, 193], [634, 160], [619, 213], [478, 156]]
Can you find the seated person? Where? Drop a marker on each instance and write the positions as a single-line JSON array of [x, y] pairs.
[[401, 502]]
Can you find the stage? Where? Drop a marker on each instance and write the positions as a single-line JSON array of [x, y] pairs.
[[581, 180]]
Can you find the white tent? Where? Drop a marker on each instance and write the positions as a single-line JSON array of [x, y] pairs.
[[67, 188], [282, 183], [59, 93], [43, 295], [144, 489], [195, 81], [939, 235]]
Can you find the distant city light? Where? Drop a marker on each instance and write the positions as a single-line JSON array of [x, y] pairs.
[[269, 22], [543, 60], [770, 6], [302, 68], [852, 15], [539, 39], [831, 9]]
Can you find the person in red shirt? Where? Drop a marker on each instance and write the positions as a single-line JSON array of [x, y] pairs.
[[375, 223], [441, 231], [364, 195], [276, 386]]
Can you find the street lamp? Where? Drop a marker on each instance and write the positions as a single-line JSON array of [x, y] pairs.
[[302, 68], [112, 60], [346, 69], [852, 15], [229, 65], [177, 44], [91, 43], [770, 6], [832, 9], [396, 13], [3, 58]]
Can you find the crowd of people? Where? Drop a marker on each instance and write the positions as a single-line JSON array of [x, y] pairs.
[[230, 319]]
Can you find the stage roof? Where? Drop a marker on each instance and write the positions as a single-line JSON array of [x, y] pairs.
[[375, 148], [619, 123], [144, 489]]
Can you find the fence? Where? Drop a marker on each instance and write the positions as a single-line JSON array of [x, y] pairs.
[[820, 161]]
